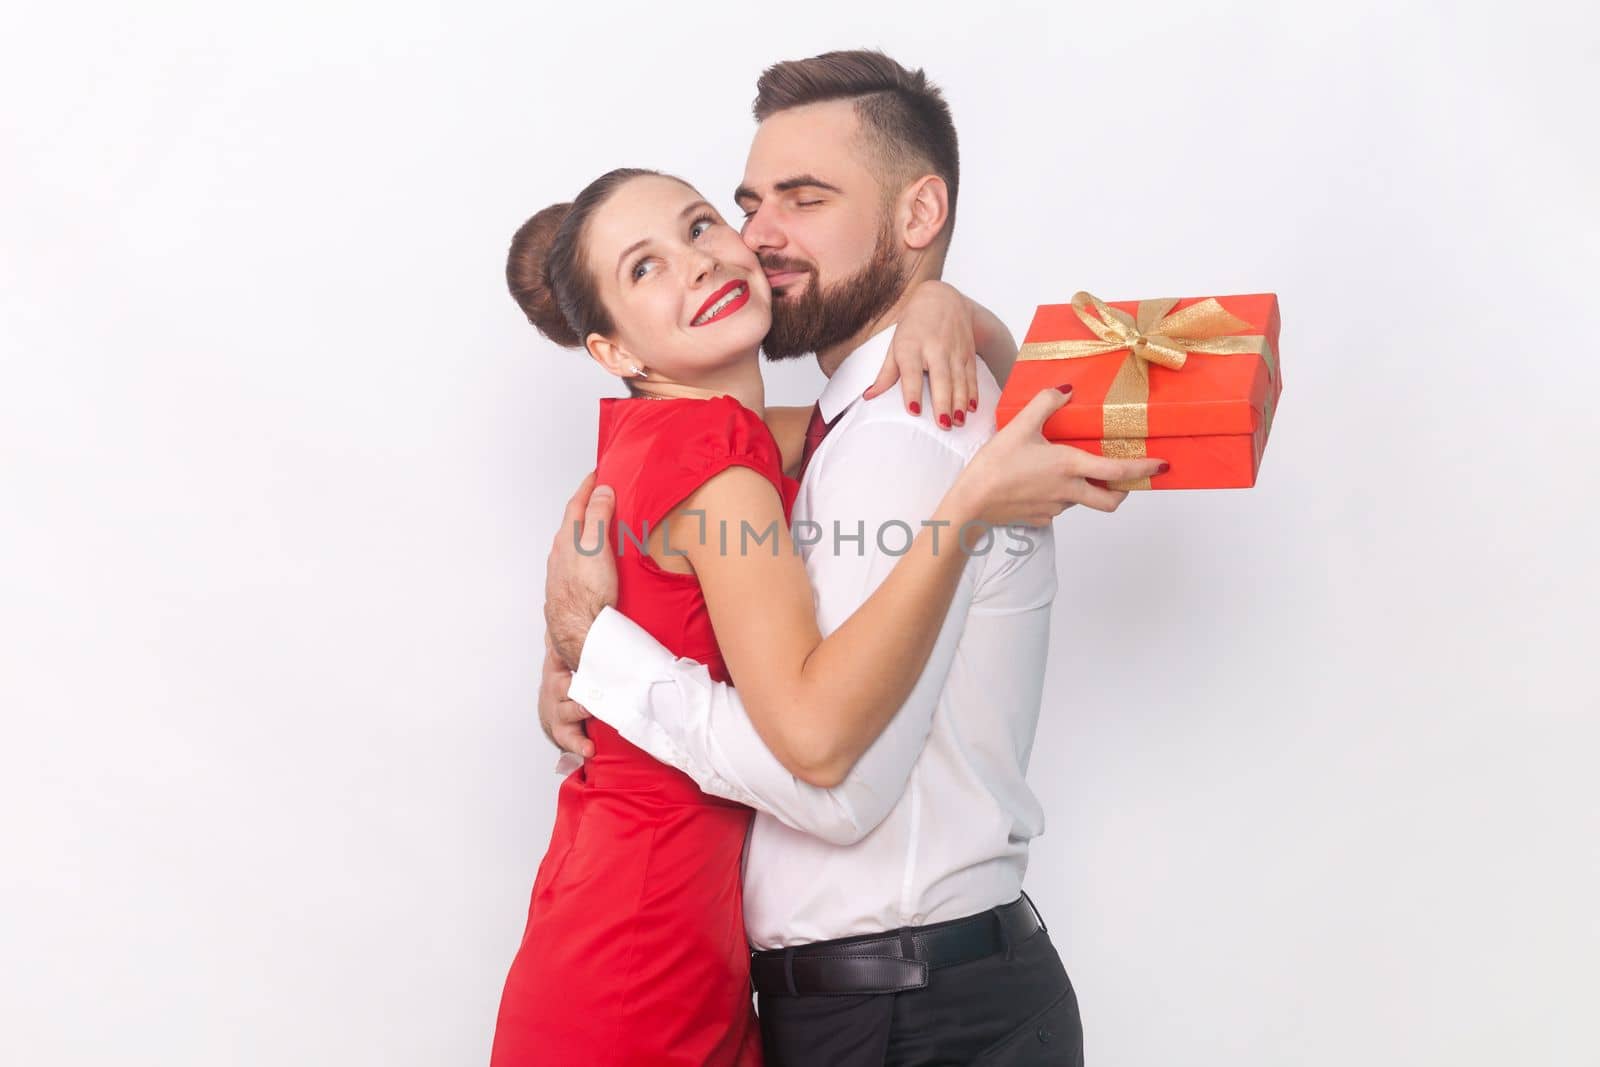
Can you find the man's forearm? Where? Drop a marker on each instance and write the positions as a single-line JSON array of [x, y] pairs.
[[567, 622]]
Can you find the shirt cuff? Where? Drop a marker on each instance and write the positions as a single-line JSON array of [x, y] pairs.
[[619, 663], [617, 681], [611, 649], [618, 653]]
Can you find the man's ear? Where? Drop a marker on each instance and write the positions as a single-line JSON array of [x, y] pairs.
[[926, 211], [611, 356]]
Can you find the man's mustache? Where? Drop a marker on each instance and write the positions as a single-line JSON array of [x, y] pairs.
[[778, 263]]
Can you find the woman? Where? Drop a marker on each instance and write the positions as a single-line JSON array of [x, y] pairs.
[[634, 951]]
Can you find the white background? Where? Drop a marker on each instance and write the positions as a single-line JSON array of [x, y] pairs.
[[281, 462]]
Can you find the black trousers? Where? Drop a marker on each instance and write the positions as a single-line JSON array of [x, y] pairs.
[[993, 1012]]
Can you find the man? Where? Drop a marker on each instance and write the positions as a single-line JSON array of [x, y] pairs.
[[886, 908]]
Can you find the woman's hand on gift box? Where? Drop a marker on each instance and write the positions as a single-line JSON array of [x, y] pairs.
[[1031, 480]]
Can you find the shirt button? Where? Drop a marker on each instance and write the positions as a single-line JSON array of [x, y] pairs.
[[1046, 1035]]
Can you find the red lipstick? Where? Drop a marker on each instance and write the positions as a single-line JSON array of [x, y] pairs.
[[727, 309]]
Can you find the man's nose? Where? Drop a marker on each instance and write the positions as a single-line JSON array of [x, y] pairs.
[[761, 233]]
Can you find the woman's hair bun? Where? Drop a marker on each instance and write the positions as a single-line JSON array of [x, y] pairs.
[[545, 269], [528, 278]]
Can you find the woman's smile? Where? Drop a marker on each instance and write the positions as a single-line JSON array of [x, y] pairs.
[[722, 303]]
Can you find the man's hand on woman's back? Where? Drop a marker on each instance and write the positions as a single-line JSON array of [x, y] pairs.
[[561, 717], [580, 575]]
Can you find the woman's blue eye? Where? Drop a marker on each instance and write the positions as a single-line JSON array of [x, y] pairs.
[[639, 269], [700, 226]]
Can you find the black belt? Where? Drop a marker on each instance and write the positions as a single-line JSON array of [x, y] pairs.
[[892, 962]]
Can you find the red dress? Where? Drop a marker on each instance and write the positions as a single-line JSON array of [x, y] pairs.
[[634, 952]]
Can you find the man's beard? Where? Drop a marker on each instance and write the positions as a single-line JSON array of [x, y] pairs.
[[819, 319]]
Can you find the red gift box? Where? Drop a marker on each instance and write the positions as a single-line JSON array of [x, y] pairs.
[[1194, 382]]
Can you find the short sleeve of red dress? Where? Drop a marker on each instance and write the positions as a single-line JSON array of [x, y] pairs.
[[656, 453]]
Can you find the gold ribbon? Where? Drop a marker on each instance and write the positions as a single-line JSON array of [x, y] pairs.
[[1157, 334]]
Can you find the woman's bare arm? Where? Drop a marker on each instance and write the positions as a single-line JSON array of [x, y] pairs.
[[817, 703], [994, 342]]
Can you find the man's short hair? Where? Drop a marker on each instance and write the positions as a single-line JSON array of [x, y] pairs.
[[902, 113]]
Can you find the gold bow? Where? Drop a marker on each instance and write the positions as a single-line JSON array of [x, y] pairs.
[[1156, 335]]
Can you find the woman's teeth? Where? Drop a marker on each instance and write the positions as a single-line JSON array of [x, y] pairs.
[[711, 312]]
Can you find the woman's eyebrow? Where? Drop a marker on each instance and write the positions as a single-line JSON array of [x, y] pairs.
[[630, 250]]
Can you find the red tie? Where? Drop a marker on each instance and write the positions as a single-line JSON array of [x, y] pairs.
[[816, 430]]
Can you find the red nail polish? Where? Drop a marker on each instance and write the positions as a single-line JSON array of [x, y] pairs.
[[961, 418], [944, 421], [1164, 468], [972, 405], [1064, 388], [914, 407]]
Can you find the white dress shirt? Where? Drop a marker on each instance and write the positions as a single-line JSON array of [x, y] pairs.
[[933, 822]]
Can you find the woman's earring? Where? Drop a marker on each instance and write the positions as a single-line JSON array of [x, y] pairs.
[[638, 371]]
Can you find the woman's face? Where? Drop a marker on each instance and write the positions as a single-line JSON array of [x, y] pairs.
[[686, 296]]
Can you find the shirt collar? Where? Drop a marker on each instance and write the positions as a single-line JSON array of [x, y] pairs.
[[852, 377]]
